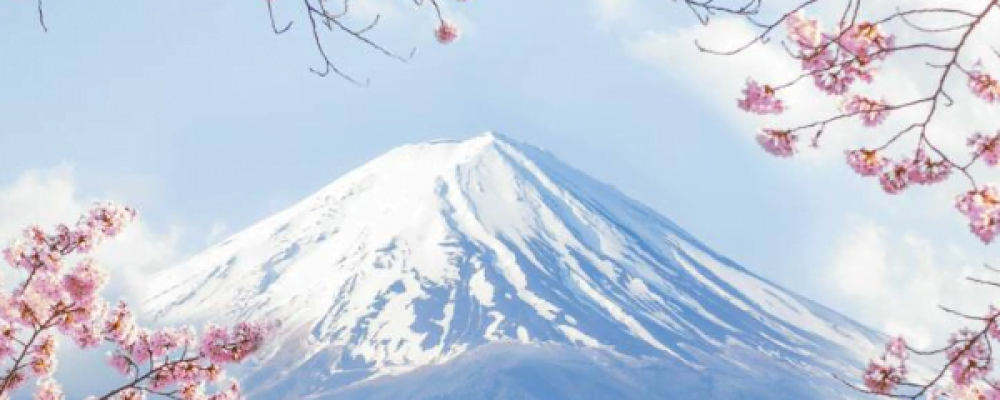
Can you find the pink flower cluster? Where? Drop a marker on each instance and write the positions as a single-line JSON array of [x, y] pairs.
[[760, 99], [895, 177], [53, 298], [866, 162], [836, 61], [866, 41], [872, 112], [180, 361], [889, 370], [969, 357], [804, 32], [779, 143], [446, 32], [982, 207], [986, 147], [223, 346], [984, 86], [925, 171], [969, 360]]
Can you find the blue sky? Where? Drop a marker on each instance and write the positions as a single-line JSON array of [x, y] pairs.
[[199, 116]]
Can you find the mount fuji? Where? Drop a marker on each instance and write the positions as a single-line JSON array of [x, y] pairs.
[[487, 268]]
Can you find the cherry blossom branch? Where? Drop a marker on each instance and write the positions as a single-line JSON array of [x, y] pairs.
[[704, 9], [319, 16], [41, 17], [969, 359], [315, 10], [838, 61], [52, 299]]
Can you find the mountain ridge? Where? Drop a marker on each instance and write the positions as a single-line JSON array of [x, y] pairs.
[[437, 249]]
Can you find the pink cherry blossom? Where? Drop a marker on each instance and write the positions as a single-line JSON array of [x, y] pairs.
[[881, 377], [7, 339], [803, 31], [984, 86], [84, 281], [872, 112], [866, 162], [994, 327], [221, 346], [831, 81], [867, 42], [986, 147], [192, 391], [970, 357], [777, 142], [926, 171], [760, 99], [120, 326], [130, 394], [48, 389], [896, 179], [897, 348], [446, 32], [52, 300], [982, 207]]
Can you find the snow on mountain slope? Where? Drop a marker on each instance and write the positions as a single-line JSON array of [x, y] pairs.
[[434, 250]]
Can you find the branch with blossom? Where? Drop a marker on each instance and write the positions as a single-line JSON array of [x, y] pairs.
[[336, 16], [54, 301], [321, 18], [967, 369], [842, 59]]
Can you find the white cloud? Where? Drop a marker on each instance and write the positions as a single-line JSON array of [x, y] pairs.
[[217, 232], [610, 13], [719, 79], [50, 197], [896, 283]]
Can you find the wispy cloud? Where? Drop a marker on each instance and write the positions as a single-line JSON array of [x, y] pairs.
[[47, 197], [896, 282]]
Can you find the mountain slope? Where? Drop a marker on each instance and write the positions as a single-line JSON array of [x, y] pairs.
[[435, 254]]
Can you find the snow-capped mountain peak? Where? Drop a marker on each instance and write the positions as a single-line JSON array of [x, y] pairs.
[[434, 250]]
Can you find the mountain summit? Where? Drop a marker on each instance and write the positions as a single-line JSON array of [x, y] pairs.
[[488, 269]]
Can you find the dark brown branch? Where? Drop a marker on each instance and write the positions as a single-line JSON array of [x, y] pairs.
[[41, 17], [274, 25]]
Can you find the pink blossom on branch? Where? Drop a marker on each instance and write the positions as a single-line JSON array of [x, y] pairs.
[[897, 178], [866, 42], [54, 301], [446, 32], [48, 389], [866, 162], [760, 99], [969, 356], [987, 147], [927, 172], [830, 74], [839, 54], [872, 112], [982, 207], [804, 32], [887, 372], [779, 143], [984, 86], [881, 377]]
